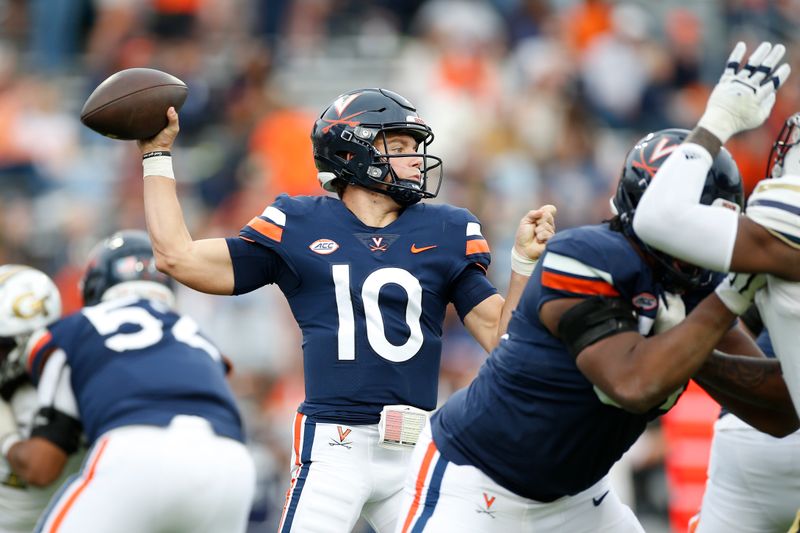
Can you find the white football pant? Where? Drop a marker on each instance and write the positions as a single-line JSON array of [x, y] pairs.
[[340, 473], [442, 497], [148, 479], [753, 480]]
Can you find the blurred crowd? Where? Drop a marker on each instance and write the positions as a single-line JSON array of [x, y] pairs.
[[531, 102]]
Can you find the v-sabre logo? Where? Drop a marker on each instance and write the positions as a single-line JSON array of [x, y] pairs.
[[487, 508], [343, 433], [323, 246]]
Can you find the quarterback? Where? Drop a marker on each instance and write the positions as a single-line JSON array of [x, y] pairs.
[[368, 276]]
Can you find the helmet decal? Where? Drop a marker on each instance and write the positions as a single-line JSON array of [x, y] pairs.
[[343, 101]]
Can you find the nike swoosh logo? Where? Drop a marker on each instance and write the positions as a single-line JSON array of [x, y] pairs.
[[598, 501], [415, 250]]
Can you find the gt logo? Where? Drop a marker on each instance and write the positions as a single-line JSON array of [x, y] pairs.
[[323, 246], [27, 305]]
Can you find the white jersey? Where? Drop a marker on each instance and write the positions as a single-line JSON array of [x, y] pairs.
[[779, 305], [775, 205], [21, 505]]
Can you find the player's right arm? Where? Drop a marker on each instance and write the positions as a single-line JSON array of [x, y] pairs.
[[637, 372], [204, 265]]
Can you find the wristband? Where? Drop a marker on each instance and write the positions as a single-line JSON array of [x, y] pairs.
[[158, 163], [521, 265], [8, 442]]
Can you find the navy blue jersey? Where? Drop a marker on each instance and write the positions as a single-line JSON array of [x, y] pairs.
[[370, 301], [135, 362], [531, 420]]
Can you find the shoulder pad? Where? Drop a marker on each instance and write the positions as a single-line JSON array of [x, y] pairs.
[[269, 225], [775, 204], [587, 261]]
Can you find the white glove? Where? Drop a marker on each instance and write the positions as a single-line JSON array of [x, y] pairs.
[[671, 311], [743, 100], [738, 290], [8, 427]]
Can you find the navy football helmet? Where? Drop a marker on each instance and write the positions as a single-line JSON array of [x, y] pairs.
[[723, 187], [345, 138], [124, 260]]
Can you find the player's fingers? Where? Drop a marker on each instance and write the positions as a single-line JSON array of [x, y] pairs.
[[774, 82], [735, 59], [173, 120], [754, 61], [768, 64], [778, 78]]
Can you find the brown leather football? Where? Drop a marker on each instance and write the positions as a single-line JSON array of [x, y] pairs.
[[133, 103]]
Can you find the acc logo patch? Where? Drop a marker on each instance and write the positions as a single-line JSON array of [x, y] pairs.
[[645, 301], [323, 246]]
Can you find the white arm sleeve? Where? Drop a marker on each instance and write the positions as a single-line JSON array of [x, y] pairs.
[[54, 387], [670, 218]]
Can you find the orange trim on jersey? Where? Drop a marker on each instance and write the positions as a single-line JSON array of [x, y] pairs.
[[561, 282], [477, 246], [246, 239], [74, 496], [298, 426], [423, 474], [485, 270], [267, 229], [47, 337]]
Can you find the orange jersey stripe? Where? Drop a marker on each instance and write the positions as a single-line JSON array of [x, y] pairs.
[[74, 495], [423, 474], [267, 229], [477, 246], [298, 425], [577, 285], [36, 349]]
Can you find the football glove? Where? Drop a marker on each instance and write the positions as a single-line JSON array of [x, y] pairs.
[[737, 291], [743, 98]]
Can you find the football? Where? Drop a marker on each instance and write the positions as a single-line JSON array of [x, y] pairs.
[[132, 104]]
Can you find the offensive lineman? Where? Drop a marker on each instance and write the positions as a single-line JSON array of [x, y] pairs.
[[591, 357], [368, 277], [28, 301], [150, 394]]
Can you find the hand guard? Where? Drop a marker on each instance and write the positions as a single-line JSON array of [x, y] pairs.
[[738, 290], [743, 100]]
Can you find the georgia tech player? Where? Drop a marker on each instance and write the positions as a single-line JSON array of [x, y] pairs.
[[368, 277], [28, 301], [767, 238], [593, 354], [151, 397]]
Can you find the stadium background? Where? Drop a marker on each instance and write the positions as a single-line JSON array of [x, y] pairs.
[[532, 101]]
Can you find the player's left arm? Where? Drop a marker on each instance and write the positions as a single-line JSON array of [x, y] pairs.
[[752, 388], [56, 433], [669, 217], [487, 322]]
